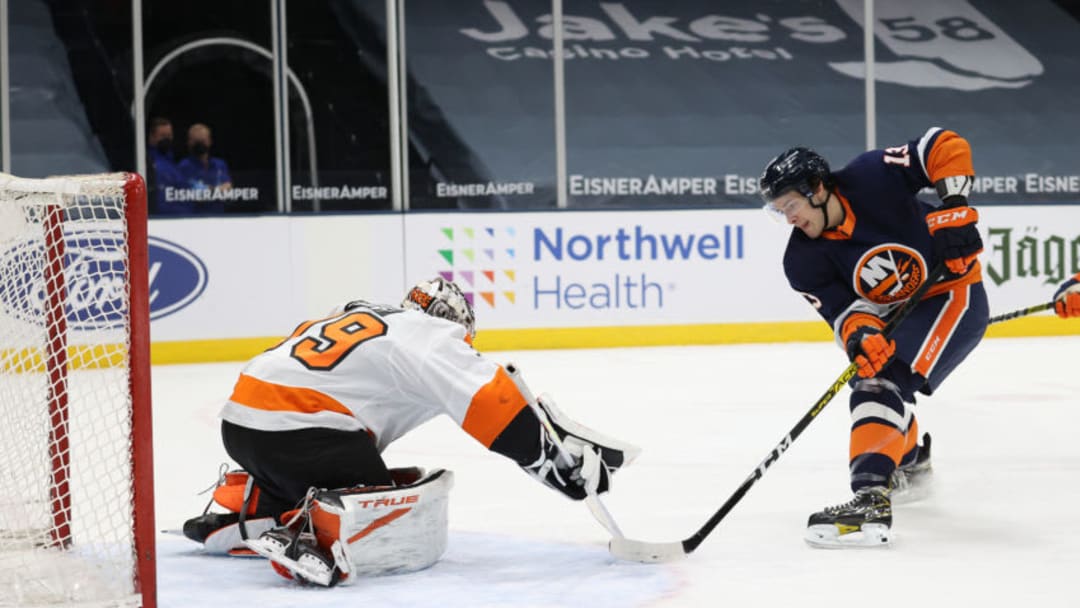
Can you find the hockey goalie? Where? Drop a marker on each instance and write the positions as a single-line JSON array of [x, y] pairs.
[[308, 420]]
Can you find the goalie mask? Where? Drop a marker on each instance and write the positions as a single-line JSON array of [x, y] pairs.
[[444, 299]]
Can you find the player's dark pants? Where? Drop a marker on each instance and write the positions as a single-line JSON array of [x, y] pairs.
[[945, 329], [930, 343], [284, 464]]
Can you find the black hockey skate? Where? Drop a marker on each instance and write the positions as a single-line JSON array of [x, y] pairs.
[[863, 521], [220, 533], [911, 482], [295, 555]]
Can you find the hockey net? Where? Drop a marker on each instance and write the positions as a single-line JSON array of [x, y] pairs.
[[76, 482]]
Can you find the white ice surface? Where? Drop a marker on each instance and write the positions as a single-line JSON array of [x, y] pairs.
[[1001, 529]]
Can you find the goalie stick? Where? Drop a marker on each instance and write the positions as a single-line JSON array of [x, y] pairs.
[[592, 499], [650, 552]]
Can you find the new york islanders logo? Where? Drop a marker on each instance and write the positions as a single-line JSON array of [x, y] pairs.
[[889, 273]]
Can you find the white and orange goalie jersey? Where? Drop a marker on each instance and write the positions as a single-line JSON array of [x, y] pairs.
[[383, 371], [378, 369]]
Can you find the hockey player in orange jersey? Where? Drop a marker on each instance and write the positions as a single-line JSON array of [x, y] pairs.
[[308, 419]]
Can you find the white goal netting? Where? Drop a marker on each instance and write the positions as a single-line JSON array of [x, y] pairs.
[[74, 494]]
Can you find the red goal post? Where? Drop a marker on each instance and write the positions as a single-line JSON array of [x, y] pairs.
[[76, 488]]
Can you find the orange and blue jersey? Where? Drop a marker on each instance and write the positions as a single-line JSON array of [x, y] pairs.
[[882, 252]]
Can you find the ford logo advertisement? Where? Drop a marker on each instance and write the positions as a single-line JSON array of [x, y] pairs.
[[177, 277], [94, 275]]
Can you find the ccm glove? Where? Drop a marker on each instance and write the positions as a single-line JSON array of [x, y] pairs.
[[956, 239], [866, 345], [1067, 299]]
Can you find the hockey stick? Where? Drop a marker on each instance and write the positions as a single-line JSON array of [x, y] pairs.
[[1023, 312], [648, 552], [592, 499]]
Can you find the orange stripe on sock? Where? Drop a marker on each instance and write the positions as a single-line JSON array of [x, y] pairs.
[[877, 438], [492, 408]]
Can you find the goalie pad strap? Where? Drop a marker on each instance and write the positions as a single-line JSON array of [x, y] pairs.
[[590, 468], [249, 488], [238, 493]]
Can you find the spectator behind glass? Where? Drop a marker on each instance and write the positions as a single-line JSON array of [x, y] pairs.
[[202, 171], [163, 170]]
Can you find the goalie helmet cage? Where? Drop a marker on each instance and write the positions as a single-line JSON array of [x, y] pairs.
[[76, 485]]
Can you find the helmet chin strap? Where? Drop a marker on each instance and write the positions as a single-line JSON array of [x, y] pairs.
[[824, 207]]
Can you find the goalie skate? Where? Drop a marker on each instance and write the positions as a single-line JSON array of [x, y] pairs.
[[296, 556], [862, 522], [220, 533], [912, 483]]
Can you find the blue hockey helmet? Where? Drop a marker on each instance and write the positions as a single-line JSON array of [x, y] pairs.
[[799, 169]]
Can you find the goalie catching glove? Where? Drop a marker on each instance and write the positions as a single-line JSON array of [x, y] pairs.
[[1067, 299], [866, 345], [586, 461]]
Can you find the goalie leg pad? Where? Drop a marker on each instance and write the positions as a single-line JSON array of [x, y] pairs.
[[383, 530]]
